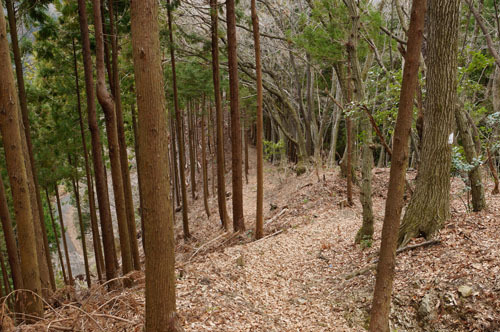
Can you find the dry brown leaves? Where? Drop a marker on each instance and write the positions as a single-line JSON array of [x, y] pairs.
[[293, 280]]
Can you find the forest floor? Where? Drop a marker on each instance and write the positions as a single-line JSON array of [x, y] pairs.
[[307, 274]]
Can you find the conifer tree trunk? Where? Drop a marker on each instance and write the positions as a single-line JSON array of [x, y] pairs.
[[47, 273], [381, 305], [71, 281], [173, 144], [153, 142], [211, 146], [221, 181], [476, 183], [127, 187], [96, 238], [204, 164], [100, 176], [18, 176], [237, 176], [244, 134], [139, 180], [429, 206], [54, 229], [108, 106], [5, 277], [191, 143], [10, 240], [180, 132], [259, 223], [42, 262], [76, 190]]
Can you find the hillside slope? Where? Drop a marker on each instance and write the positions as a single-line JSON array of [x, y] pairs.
[[308, 275]]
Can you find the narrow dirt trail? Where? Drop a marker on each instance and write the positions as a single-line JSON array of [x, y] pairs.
[[281, 283]]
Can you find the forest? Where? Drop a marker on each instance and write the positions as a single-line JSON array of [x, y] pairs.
[[249, 165]]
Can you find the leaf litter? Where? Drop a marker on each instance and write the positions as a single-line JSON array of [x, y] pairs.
[[294, 279]]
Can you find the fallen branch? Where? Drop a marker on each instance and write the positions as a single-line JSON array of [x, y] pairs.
[[373, 264], [414, 246], [270, 235], [277, 216], [115, 318], [204, 245], [360, 271]]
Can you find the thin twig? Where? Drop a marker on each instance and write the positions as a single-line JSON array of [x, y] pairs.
[[204, 245], [373, 264]]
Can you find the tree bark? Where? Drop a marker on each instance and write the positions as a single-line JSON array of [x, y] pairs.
[[244, 135], [10, 241], [127, 187], [18, 176], [221, 182], [237, 176], [191, 143], [381, 305], [5, 277], [180, 132], [348, 124], [54, 229], [429, 206], [46, 265], [493, 171], [211, 146], [471, 155], [96, 238], [97, 155], [174, 161], [259, 223], [204, 163], [71, 281], [76, 190], [153, 142], [108, 106], [139, 180]]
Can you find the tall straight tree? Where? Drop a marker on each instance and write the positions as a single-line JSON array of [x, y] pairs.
[[139, 181], [18, 177], [180, 132], [96, 238], [76, 190], [204, 161], [10, 241], [259, 232], [191, 138], [381, 306], [97, 155], [71, 281], [32, 174], [153, 141], [236, 158], [429, 206], [127, 187], [54, 229], [108, 106], [219, 116], [5, 277]]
